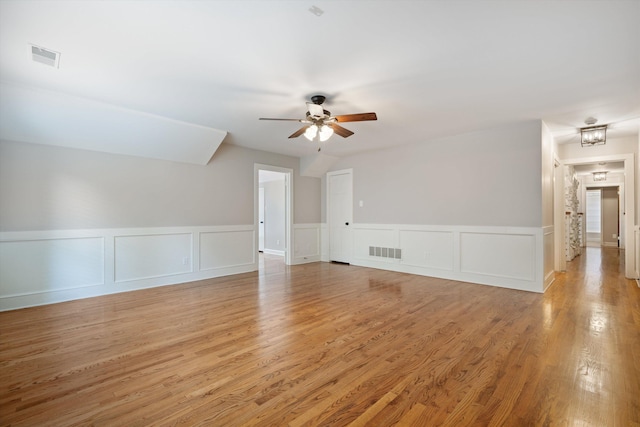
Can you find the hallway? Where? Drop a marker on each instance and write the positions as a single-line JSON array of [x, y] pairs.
[[595, 363]]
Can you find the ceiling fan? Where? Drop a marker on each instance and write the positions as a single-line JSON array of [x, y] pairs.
[[319, 121]]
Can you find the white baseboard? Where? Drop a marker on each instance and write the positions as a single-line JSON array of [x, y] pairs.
[[273, 252]]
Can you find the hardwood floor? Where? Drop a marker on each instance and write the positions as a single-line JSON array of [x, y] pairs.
[[330, 344]]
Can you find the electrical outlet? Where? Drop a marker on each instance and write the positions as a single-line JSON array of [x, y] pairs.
[[185, 260], [277, 242], [614, 235]]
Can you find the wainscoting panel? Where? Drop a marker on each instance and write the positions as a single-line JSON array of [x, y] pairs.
[[511, 257], [150, 256], [431, 249], [306, 243], [324, 242], [223, 249], [502, 255], [44, 265], [364, 238]]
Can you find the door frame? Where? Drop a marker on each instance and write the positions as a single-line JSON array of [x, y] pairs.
[[328, 199], [288, 191], [261, 231]]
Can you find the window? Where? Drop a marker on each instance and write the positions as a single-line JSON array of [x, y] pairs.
[[594, 210]]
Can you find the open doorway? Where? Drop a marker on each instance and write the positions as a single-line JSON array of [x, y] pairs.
[[273, 201], [619, 188], [602, 216]]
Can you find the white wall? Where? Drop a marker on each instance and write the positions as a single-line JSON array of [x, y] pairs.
[[613, 146], [78, 223], [548, 170]]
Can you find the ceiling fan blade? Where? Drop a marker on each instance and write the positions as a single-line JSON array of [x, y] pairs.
[[298, 132], [345, 133], [285, 120], [361, 117]]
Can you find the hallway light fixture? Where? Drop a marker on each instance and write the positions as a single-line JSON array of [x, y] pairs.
[[600, 176], [593, 135]]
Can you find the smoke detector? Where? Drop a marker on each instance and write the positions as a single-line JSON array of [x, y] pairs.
[[45, 56]]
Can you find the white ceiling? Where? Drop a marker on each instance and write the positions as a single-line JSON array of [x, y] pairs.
[[429, 69]]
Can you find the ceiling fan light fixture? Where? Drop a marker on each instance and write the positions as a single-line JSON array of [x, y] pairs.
[[311, 132], [319, 122], [325, 132]]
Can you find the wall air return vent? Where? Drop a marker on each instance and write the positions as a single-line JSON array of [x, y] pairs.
[[45, 56], [377, 251]]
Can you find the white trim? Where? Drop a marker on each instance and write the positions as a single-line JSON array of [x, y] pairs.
[[288, 258], [274, 252]]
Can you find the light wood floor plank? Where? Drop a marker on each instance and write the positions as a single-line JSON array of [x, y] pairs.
[[330, 344]]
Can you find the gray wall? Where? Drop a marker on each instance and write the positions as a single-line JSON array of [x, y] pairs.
[[487, 178], [274, 215], [47, 188], [610, 216]]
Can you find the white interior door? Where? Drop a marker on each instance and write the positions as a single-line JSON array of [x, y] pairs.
[[340, 212], [261, 219]]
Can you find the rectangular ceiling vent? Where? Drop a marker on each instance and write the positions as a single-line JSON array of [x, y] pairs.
[[45, 56]]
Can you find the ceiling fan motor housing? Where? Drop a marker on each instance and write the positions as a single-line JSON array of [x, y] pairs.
[[318, 99], [325, 112]]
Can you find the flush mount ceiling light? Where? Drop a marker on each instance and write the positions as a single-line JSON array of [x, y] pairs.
[[600, 176], [593, 135]]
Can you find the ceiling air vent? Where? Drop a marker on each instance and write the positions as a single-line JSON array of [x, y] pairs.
[[45, 56]]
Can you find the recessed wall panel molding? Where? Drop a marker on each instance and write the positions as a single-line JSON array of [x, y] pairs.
[[306, 238], [377, 237], [432, 249], [324, 242], [148, 256], [502, 255], [510, 257], [51, 264], [223, 249], [44, 267]]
